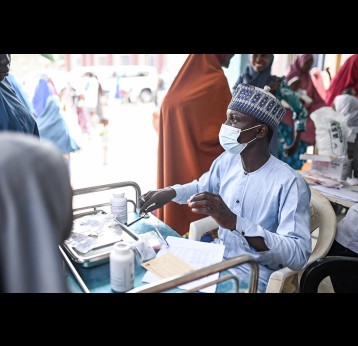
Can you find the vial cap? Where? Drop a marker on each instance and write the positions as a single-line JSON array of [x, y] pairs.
[[121, 246]]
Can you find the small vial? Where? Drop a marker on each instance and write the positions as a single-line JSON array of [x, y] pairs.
[[119, 206], [121, 267]]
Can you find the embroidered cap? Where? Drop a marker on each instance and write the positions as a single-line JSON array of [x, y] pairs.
[[258, 103]]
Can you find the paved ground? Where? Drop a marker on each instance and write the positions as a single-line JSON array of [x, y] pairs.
[[127, 152]]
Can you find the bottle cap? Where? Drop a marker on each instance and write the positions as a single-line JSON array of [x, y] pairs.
[[118, 194], [119, 246]]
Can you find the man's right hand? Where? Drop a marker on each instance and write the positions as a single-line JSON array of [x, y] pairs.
[[155, 199]]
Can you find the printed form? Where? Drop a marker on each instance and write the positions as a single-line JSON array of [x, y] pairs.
[[194, 253]]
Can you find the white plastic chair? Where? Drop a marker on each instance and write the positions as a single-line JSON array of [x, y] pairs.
[[285, 280]]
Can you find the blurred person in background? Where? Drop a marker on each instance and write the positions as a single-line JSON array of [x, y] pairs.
[[190, 118], [301, 68], [258, 71], [49, 118], [15, 111], [346, 78], [347, 104], [91, 96], [319, 78], [35, 213], [289, 144]]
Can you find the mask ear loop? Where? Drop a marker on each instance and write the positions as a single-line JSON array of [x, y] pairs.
[[258, 133]]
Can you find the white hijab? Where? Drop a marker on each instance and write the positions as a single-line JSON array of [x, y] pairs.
[[348, 106], [35, 214]]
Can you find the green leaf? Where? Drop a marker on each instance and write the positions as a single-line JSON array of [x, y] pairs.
[[49, 57]]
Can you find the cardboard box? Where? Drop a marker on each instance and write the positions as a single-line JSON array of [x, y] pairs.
[[330, 166]]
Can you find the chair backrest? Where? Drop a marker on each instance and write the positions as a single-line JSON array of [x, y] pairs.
[[323, 221], [343, 272], [199, 227], [323, 232]]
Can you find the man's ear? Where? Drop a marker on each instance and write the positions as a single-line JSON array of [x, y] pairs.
[[262, 131]]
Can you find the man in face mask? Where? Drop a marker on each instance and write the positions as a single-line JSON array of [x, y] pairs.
[[260, 203]]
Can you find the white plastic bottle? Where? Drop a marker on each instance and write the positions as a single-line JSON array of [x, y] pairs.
[[119, 206], [121, 267]]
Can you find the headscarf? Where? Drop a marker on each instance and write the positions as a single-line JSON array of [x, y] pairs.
[[348, 106], [295, 69], [53, 127], [42, 92], [258, 79], [51, 124], [190, 119], [35, 214], [14, 116], [346, 77], [19, 91]]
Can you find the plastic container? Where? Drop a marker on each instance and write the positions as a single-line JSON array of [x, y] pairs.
[[119, 206], [121, 267]]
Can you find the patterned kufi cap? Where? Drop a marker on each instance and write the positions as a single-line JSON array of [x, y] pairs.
[[258, 103]]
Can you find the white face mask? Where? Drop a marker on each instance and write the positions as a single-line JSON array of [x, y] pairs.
[[228, 137]]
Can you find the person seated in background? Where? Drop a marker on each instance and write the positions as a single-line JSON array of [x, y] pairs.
[[290, 147], [260, 203], [14, 114], [295, 85], [346, 244], [35, 213]]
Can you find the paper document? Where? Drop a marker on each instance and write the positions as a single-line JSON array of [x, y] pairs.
[[345, 194], [167, 265], [197, 255]]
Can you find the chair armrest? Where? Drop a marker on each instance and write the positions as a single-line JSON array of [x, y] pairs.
[[327, 226], [277, 280], [199, 227]]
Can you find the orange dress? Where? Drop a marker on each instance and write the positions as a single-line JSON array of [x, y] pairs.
[[190, 119]]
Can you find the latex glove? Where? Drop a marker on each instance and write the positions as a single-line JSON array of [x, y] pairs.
[[155, 199]]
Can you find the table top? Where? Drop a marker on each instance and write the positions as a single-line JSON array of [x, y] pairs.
[[345, 202], [97, 278]]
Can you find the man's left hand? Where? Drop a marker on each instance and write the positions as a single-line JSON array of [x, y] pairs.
[[211, 204]]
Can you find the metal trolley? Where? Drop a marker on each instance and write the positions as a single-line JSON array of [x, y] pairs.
[[78, 262], [101, 254]]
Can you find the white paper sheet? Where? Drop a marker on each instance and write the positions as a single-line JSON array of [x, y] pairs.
[[195, 253], [345, 194]]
